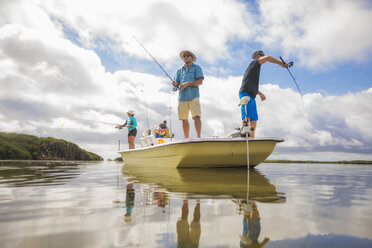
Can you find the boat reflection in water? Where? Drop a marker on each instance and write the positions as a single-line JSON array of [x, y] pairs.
[[194, 185], [208, 183]]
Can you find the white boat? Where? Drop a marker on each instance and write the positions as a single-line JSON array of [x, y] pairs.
[[200, 153], [229, 151]]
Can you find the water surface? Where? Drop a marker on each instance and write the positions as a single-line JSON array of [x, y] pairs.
[[106, 204]]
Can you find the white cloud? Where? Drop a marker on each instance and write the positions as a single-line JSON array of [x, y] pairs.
[[327, 123], [324, 123], [166, 27], [320, 33], [49, 81]]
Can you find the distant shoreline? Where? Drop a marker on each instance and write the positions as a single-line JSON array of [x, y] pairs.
[[119, 159], [359, 162], [49, 161]]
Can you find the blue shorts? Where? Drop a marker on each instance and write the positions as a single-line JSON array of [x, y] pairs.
[[251, 107]]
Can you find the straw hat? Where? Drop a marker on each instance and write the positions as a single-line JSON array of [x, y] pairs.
[[188, 52], [130, 112]]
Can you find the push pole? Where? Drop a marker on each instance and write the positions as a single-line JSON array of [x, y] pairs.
[[246, 138]]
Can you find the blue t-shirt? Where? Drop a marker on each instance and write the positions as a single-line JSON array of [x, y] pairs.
[[131, 122], [190, 74]]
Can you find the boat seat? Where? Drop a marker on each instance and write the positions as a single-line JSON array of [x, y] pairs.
[[150, 140], [147, 132], [143, 142]]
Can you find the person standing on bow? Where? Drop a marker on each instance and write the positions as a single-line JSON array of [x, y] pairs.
[[131, 124], [249, 87], [188, 79]]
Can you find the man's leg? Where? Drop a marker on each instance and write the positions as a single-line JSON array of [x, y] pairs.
[[253, 124], [183, 115], [196, 115], [195, 229], [186, 128], [197, 212], [253, 115], [197, 123], [183, 226]]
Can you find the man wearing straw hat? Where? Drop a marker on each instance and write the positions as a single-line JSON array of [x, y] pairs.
[[188, 79]]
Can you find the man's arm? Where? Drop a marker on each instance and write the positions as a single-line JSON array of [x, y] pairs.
[[263, 97], [197, 82], [271, 59]]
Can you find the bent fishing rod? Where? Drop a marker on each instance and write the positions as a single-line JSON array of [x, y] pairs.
[[290, 64], [174, 87]]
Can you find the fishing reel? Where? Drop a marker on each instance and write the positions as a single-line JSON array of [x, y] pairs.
[[175, 88], [290, 64]]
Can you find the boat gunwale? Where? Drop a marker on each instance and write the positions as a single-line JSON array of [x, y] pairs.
[[204, 140]]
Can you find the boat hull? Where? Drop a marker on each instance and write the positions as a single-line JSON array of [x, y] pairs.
[[202, 153]]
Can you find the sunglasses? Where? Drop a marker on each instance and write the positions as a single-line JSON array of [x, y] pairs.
[[187, 55]]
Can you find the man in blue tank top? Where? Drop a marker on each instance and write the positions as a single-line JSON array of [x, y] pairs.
[[249, 86]]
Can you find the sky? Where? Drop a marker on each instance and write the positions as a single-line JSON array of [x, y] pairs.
[[62, 61]]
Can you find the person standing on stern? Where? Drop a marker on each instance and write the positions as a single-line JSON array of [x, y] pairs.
[[188, 79], [250, 86]]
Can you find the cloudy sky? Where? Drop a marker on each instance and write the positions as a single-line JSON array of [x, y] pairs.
[[64, 60]]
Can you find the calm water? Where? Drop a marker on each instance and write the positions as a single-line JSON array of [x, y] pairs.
[[107, 205]]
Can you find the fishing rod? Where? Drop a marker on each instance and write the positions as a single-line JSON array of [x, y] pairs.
[[290, 64], [107, 123], [174, 87]]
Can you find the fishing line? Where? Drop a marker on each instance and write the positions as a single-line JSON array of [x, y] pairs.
[[147, 116], [298, 88], [174, 87], [246, 139], [170, 115]]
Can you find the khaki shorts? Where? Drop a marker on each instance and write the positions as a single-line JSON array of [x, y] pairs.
[[186, 106]]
